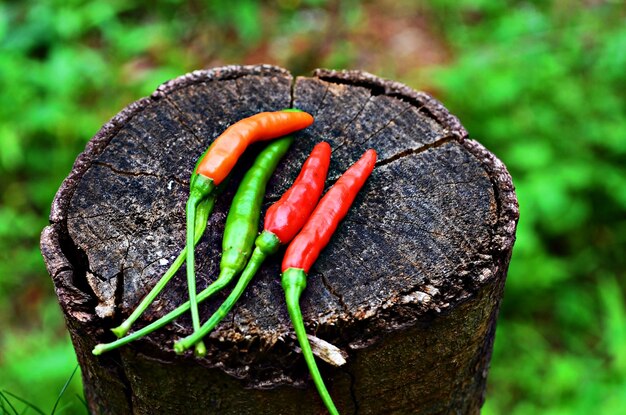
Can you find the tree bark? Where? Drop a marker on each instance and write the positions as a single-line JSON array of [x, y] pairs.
[[409, 286]]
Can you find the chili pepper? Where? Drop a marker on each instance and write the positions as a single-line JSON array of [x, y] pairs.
[[228, 147], [306, 247], [216, 164], [283, 220]]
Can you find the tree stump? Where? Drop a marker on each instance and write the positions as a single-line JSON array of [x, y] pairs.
[[409, 286]]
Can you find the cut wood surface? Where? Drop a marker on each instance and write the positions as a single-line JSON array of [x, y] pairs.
[[409, 287]]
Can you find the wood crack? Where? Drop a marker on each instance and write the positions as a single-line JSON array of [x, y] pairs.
[[149, 264], [424, 103], [128, 389], [118, 296], [292, 92], [336, 294], [319, 106], [358, 113], [372, 135], [182, 120], [140, 173], [361, 261], [413, 151]]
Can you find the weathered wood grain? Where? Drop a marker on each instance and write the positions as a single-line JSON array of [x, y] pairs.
[[409, 286]]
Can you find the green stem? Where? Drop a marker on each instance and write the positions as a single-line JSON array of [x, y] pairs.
[[267, 244], [192, 204], [216, 286], [200, 188], [204, 210], [253, 266], [225, 277], [294, 282]]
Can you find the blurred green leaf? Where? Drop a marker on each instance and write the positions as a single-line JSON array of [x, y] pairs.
[[615, 322], [12, 153]]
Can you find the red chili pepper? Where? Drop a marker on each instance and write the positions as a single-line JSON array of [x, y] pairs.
[[306, 247], [287, 216]]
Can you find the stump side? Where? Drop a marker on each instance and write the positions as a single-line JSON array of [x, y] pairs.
[[421, 256]]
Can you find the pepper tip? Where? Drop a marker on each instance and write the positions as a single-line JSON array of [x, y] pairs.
[[119, 331], [179, 347], [200, 350]]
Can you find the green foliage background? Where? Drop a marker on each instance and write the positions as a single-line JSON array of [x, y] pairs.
[[540, 83]]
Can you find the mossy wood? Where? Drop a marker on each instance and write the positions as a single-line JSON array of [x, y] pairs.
[[409, 286]]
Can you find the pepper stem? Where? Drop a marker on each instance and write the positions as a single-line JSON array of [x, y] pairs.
[[169, 317], [267, 243], [203, 212], [200, 188], [293, 282], [226, 275]]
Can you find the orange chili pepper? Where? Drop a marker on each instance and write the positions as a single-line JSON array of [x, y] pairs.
[[228, 147]]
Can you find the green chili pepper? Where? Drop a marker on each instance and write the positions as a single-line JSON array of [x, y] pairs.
[[242, 222]]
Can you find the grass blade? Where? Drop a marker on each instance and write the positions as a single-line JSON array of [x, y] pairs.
[[80, 398], [30, 405], [8, 403], [67, 383]]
